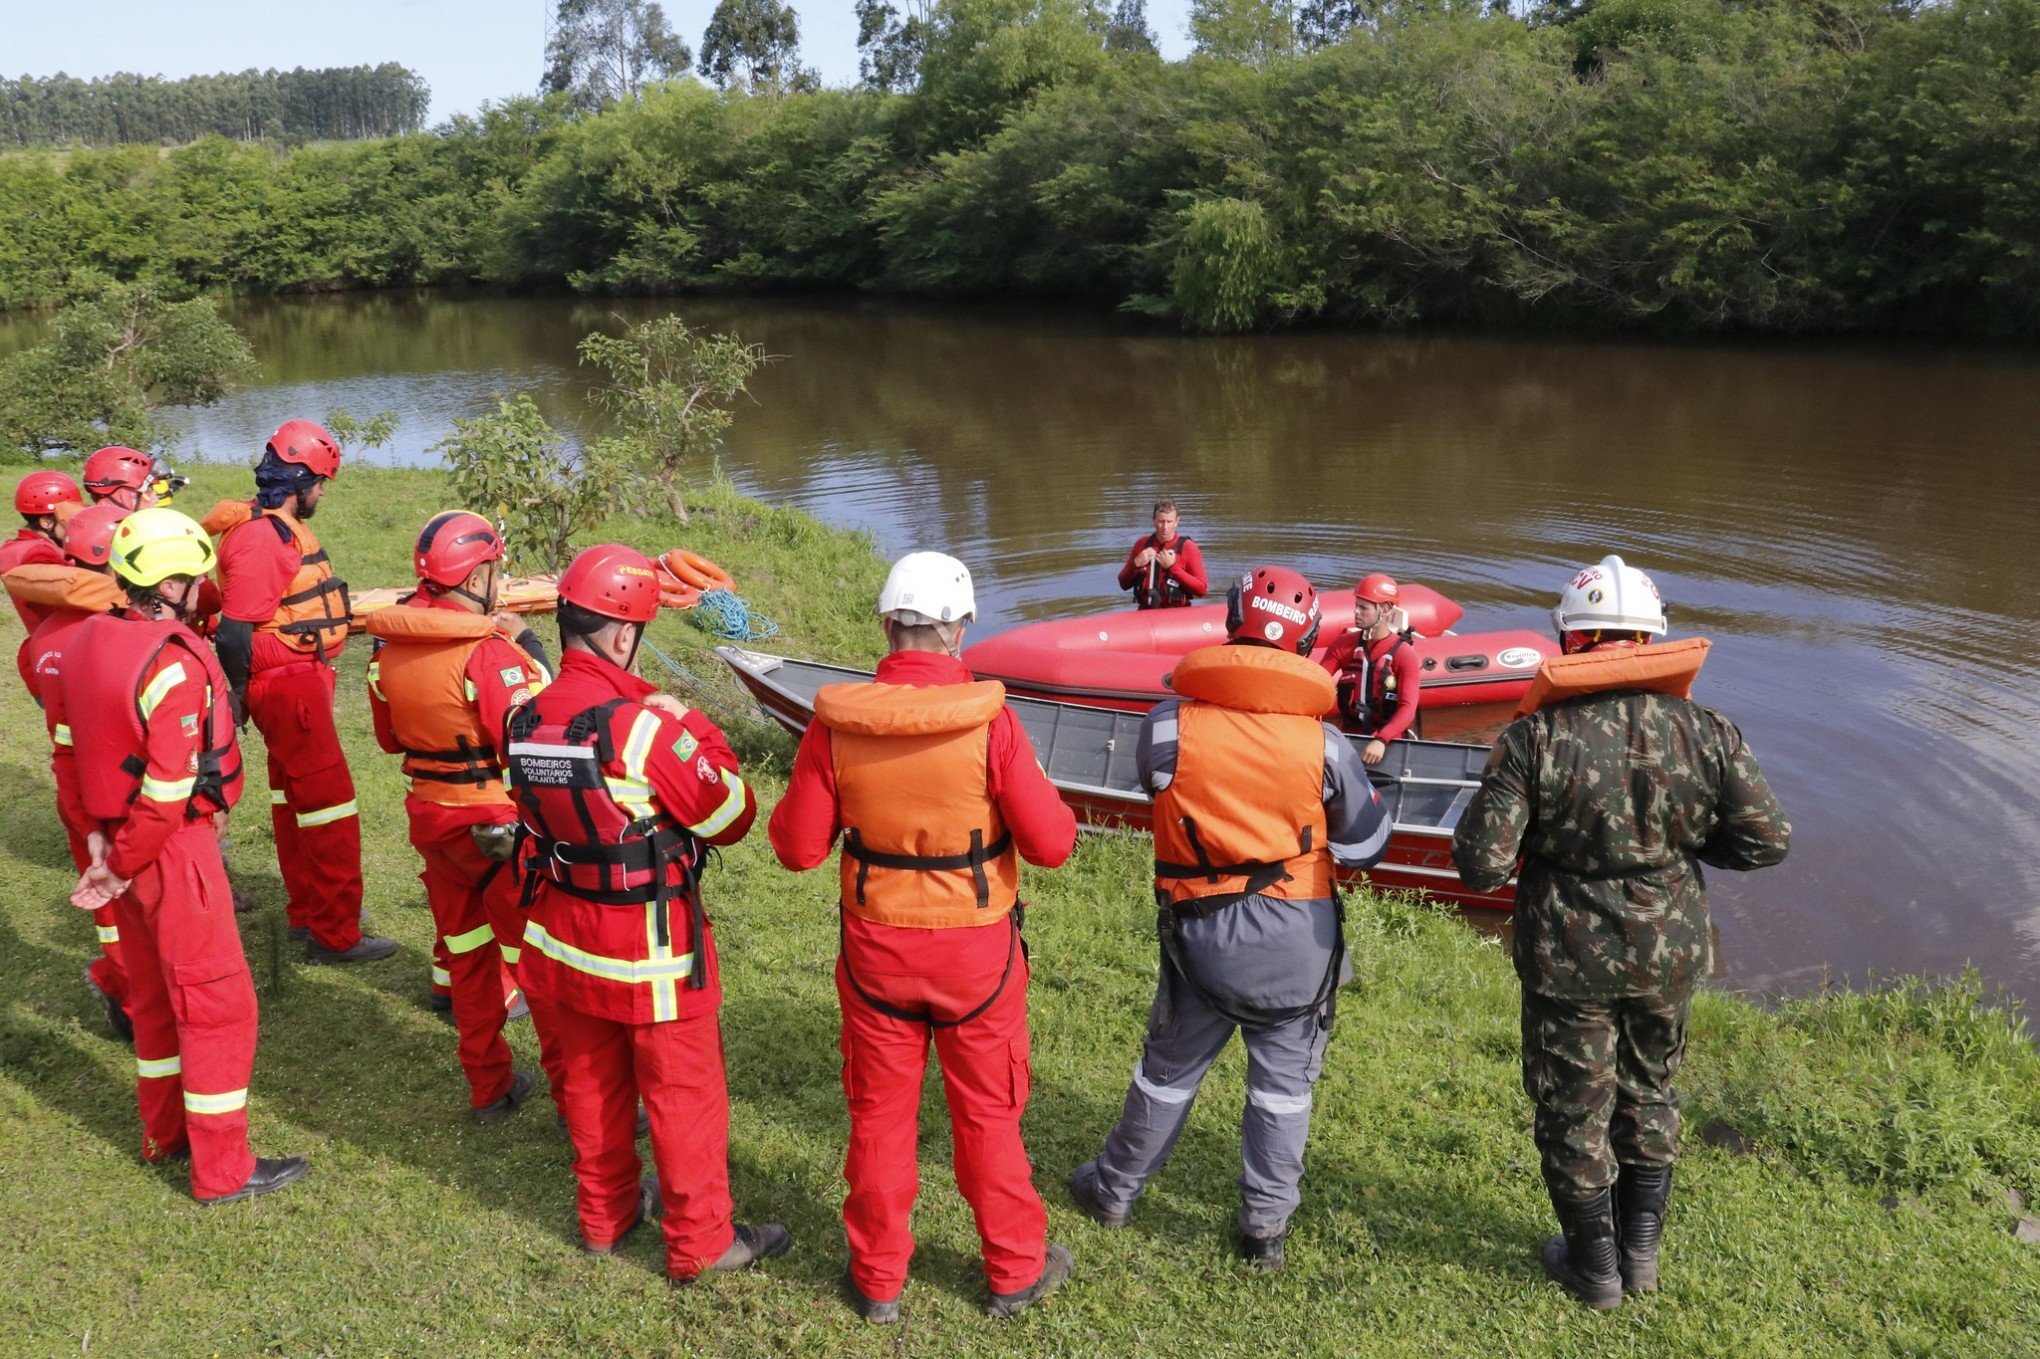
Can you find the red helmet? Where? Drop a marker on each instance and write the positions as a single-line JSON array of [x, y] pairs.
[[453, 544], [116, 468], [614, 581], [1276, 605], [1377, 589], [306, 444], [88, 534], [41, 493]]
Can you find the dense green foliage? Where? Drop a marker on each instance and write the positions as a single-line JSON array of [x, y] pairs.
[[1867, 1216], [332, 103], [1803, 165]]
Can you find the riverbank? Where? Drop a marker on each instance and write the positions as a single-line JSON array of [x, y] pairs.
[[1859, 1207]]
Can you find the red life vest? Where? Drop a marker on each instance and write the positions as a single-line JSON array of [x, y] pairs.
[[598, 836], [1368, 687], [105, 674], [1245, 810], [1155, 588], [923, 842]]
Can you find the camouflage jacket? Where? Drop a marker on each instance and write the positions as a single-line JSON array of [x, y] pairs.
[[1614, 801]]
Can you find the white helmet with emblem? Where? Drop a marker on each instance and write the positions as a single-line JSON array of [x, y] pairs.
[[1611, 596], [927, 587]]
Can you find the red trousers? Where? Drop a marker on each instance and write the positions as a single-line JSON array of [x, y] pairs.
[[986, 1076], [106, 971], [474, 908], [601, 1069], [193, 1006], [311, 796]]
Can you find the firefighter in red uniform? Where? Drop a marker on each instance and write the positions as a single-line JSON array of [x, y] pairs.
[[444, 679], [1376, 668], [285, 620], [146, 758], [39, 540], [66, 595], [936, 793], [620, 789], [1165, 570]]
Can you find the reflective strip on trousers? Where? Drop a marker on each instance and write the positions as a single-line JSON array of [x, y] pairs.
[[1278, 1104], [1160, 1094], [62, 735], [156, 1068], [109, 934], [469, 941], [230, 1103], [440, 976], [325, 816], [278, 798]]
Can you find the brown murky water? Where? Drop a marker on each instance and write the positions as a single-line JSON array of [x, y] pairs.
[[1853, 525]]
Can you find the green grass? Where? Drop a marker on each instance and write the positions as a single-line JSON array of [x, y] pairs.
[[1871, 1218]]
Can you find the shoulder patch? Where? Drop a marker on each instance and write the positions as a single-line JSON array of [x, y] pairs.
[[686, 745], [511, 675]]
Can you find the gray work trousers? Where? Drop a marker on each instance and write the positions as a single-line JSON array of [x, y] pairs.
[[1257, 956]]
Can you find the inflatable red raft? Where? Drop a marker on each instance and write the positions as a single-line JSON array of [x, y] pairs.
[[1119, 660]]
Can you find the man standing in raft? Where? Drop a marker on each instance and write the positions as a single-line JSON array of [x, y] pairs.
[[934, 788], [1165, 570], [286, 620], [1255, 798], [1613, 787], [1376, 668]]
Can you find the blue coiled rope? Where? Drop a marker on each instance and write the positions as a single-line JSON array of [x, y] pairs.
[[723, 614]]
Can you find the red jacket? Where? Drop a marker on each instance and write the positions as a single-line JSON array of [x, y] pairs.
[[1176, 588], [1342, 659], [806, 824], [25, 548], [690, 789]]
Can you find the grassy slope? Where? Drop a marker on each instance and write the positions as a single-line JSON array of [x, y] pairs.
[[1871, 1220]]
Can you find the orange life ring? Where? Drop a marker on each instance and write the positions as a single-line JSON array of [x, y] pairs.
[[697, 571], [675, 593]]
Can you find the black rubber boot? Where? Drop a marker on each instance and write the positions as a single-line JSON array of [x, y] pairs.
[[1263, 1252], [1641, 1195], [271, 1173], [1583, 1258], [1084, 1189], [1055, 1268]]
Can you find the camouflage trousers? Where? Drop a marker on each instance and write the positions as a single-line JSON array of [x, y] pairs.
[[1600, 1073]]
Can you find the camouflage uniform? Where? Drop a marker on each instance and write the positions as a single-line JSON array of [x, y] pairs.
[[1614, 800]]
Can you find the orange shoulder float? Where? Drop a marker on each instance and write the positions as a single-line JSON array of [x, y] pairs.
[[405, 622], [227, 514], [1660, 667], [1256, 679], [48, 585], [908, 710]]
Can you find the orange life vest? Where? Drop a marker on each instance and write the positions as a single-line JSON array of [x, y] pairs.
[[306, 620], [107, 660], [420, 671], [51, 586], [923, 842], [1245, 811], [1661, 667]]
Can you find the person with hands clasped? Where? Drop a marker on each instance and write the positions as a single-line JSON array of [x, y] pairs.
[[147, 762]]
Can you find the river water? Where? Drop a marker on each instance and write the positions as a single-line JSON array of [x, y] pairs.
[[1852, 525]]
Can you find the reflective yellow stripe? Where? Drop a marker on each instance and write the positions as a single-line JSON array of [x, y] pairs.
[[174, 790], [471, 695], [326, 815], [160, 687], [231, 1102], [633, 791], [458, 944], [109, 934], [278, 798], [158, 1068], [441, 977], [610, 969], [63, 734], [375, 680], [512, 954], [732, 807], [633, 796]]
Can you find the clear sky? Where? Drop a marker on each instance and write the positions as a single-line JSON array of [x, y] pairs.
[[468, 50]]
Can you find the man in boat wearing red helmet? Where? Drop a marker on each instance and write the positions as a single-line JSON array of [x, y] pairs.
[[1375, 667], [1256, 797], [1612, 789], [1165, 570]]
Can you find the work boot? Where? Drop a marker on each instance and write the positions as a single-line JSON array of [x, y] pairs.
[[1583, 1257], [369, 949], [271, 1173], [649, 1207], [116, 1013], [1641, 1195], [871, 1309], [520, 1009], [1084, 1189], [438, 1004], [1054, 1270], [1263, 1252], [521, 1085], [748, 1245]]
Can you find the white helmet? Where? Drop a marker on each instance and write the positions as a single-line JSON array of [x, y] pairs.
[[1610, 597], [927, 587]]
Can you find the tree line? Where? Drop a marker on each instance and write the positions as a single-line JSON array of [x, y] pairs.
[[1781, 166], [336, 103]]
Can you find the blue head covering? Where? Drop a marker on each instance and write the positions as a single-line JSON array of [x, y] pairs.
[[277, 481]]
